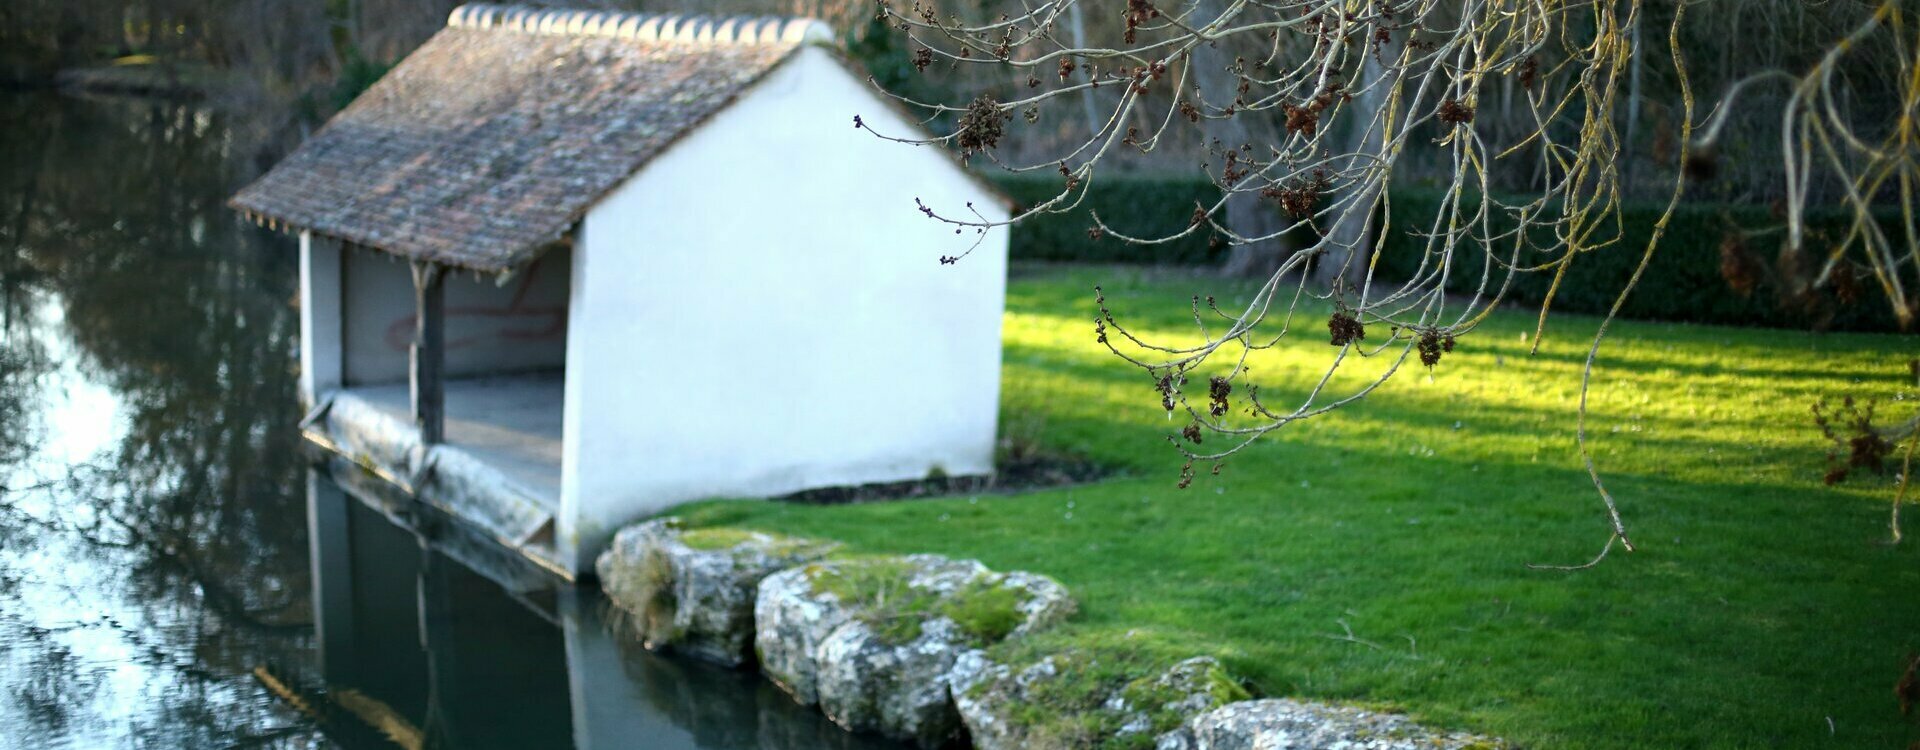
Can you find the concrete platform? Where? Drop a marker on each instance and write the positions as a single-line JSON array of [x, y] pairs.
[[509, 422], [499, 467]]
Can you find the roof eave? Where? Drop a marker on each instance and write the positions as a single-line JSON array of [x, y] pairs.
[[513, 264]]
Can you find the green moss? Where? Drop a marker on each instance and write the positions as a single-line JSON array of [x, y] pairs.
[[986, 611], [1069, 708], [1072, 702], [1153, 694], [778, 546], [715, 538], [858, 579], [653, 604], [877, 587]]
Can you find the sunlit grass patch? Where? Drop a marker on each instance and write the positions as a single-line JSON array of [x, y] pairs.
[[1380, 553]]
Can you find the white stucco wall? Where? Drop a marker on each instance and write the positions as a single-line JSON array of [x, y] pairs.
[[491, 328], [762, 310]]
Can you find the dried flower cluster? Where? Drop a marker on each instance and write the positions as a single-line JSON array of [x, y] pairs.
[[1851, 429], [1741, 270], [1217, 391], [1344, 329], [1300, 197], [1433, 343], [982, 125], [1138, 12], [1304, 119]]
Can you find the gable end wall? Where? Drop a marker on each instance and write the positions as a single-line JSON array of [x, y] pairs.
[[762, 310]]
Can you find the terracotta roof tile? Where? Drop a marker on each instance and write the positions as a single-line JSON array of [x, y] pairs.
[[487, 143]]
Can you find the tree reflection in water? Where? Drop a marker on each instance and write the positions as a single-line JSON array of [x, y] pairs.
[[152, 544], [154, 517]]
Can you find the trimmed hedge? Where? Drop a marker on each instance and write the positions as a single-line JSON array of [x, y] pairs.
[[1137, 206], [1684, 282]]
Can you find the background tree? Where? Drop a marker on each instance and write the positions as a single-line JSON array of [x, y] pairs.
[[1535, 121], [1517, 110]]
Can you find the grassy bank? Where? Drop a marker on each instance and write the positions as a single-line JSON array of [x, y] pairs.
[[1763, 609]]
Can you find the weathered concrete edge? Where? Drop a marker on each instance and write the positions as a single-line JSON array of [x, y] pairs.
[[443, 476]]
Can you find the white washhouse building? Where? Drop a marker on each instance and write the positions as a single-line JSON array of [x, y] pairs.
[[563, 270]]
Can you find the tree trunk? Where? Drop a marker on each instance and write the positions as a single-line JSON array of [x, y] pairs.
[[1246, 214], [1634, 65], [1077, 26], [1349, 243]]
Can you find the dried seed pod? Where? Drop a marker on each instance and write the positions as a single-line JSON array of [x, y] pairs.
[[982, 125], [1453, 112], [1344, 329], [1429, 347]]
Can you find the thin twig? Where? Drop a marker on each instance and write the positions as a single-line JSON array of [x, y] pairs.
[[1583, 566]]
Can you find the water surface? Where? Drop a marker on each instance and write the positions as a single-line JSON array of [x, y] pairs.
[[160, 523]]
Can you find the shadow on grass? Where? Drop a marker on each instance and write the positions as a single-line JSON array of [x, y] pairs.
[[1747, 618], [1011, 475], [1762, 609]]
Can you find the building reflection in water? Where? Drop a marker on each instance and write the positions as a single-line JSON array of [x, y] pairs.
[[430, 636]]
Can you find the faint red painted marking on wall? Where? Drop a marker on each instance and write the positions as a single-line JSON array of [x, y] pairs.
[[400, 333]]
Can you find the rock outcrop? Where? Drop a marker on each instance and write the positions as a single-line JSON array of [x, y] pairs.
[[868, 682], [1187, 689], [1301, 725], [991, 696], [790, 621], [986, 692], [872, 640], [898, 646], [693, 591]]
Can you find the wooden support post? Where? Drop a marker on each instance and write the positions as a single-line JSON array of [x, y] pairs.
[[429, 357]]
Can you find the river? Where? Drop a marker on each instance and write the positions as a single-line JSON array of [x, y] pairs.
[[161, 524]]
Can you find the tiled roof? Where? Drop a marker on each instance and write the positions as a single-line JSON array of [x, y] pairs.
[[487, 144]]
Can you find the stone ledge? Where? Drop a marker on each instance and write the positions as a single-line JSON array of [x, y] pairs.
[[993, 699], [693, 591], [900, 646], [872, 640], [1301, 725]]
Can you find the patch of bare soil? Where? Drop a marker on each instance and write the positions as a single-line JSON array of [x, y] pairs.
[[1013, 475]]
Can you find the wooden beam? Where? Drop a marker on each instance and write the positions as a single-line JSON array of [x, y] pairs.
[[428, 372]]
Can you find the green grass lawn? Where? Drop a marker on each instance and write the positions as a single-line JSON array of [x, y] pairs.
[[1762, 609]]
